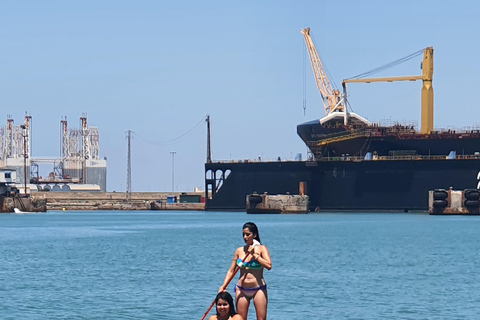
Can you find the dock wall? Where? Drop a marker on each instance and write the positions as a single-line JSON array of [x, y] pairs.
[[114, 201], [8, 204]]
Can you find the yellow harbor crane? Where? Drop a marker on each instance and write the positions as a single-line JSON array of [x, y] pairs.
[[335, 102], [426, 99], [331, 98]]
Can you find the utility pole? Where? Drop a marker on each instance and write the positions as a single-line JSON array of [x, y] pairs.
[[173, 170], [209, 153], [128, 192]]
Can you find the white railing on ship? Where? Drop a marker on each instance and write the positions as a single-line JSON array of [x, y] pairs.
[[399, 157], [358, 159]]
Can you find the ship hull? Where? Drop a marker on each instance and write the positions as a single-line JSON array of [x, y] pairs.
[[392, 185]]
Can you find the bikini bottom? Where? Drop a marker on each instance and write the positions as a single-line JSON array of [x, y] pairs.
[[250, 292]]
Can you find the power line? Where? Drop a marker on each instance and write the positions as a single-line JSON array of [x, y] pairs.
[[174, 139]]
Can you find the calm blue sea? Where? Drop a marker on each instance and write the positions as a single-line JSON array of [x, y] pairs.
[[168, 265]]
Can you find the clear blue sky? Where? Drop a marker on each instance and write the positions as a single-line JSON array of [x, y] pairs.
[[157, 68]]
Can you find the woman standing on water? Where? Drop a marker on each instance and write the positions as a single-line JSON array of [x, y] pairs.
[[250, 284]]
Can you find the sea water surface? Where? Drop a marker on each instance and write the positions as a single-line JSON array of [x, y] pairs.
[[168, 265]]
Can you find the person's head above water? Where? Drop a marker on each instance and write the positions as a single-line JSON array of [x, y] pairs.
[[224, 303], [251, 228]]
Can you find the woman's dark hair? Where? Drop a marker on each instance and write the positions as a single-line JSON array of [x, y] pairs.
[[224, 295], [253, 229]]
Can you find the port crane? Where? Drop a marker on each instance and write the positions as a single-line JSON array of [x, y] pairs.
[[333, 100], [426, 98]]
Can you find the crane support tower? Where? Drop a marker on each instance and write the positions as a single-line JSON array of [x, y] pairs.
[[26, 136], [8, 138], [426, 100], [64, 125]]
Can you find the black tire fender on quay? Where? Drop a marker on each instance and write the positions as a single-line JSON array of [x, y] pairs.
[[440, 195], [472, 203], [440, 203], [255, 199], [471, 194]]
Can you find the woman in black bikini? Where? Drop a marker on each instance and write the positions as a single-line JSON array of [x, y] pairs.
[[251, 284]]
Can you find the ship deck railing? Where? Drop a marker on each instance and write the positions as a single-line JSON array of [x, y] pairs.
[[399, 157], [360, 158], [401, 132]]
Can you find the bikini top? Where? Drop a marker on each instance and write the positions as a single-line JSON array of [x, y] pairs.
[[252, 264]]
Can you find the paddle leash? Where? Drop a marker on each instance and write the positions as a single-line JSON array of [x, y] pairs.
[[255, 243]]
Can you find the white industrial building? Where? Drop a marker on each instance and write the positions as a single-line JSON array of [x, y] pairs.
[[78, 169]]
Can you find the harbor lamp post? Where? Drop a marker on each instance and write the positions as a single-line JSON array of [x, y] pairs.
[[173, 170]]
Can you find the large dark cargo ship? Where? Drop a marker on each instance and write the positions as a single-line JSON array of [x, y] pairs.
[[354, 164], [397, 185]]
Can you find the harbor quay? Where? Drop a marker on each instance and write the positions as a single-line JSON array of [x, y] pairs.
[[121, 200]]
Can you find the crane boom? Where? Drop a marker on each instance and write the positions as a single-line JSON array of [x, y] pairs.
[[426, 93], [331, 98]]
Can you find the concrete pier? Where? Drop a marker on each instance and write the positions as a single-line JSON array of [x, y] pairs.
[[8, 204], [115, 201]]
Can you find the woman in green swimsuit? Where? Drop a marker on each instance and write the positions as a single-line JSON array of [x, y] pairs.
[[250, 284]]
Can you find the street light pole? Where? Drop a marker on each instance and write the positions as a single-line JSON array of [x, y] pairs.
[[173, 170]]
